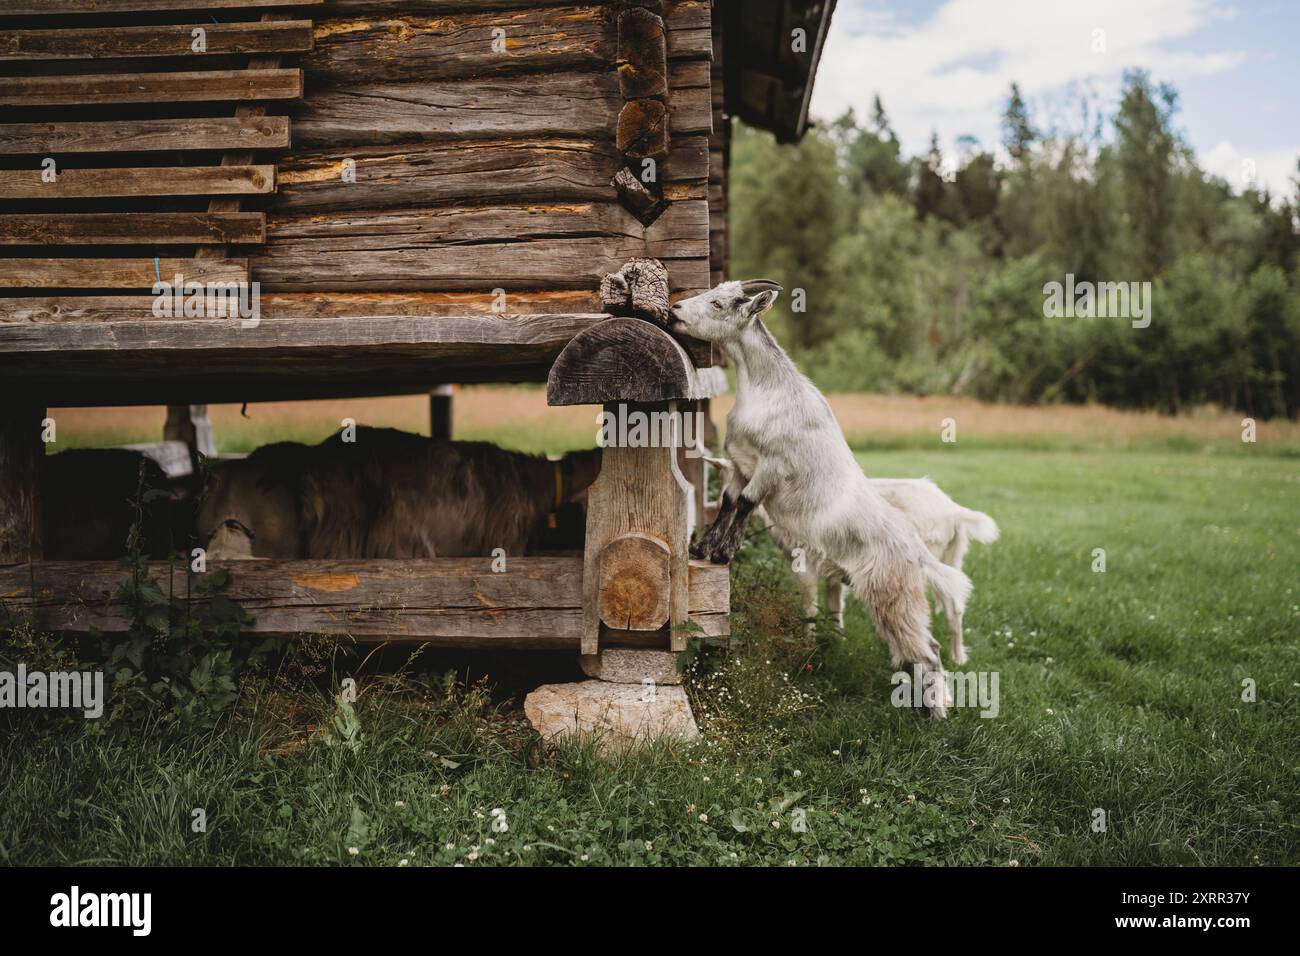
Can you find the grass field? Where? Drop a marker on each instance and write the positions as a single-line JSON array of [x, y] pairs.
[[1120, 691]]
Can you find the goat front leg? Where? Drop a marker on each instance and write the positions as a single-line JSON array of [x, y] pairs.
[[758, 487], [731, 490]]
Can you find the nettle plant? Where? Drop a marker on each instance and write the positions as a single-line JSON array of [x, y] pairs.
[[183, 653]]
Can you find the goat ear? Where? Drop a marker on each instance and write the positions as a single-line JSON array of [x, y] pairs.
[[762, 302]]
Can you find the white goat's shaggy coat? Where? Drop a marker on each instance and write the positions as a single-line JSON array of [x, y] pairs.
[[787, 445], [945, 526]]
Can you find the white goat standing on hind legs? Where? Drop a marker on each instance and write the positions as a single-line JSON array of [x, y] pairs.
[[945, 526], [791, 457]]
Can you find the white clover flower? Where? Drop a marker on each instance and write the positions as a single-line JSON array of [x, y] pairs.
[[353, 851]]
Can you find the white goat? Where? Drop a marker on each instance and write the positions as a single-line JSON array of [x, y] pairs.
[[945, 526], [795, 462]]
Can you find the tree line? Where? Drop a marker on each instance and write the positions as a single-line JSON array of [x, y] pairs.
[[928, 274]]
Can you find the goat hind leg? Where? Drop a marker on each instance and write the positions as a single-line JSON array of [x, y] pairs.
[[902, 615]]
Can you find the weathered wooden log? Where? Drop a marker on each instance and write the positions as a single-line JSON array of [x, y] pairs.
[[513, 247], [634, 582], [638, 198], [623, 359], [210, 85], [639, 288], [642, 131], [131, 228], [567, 104], [451, 602], [155, 40], [268, 132], [21, 452], [305, 305], [25, 273], [141, 181], [436, 174], [38, 7], [200, 360], [642, 54]]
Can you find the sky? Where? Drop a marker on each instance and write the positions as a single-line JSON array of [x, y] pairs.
[[946, 66]]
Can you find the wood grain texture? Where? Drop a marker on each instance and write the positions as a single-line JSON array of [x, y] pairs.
[[642, 54], [140, 181], [156, 40], [131, 228], [43, 139], [468, 171], [479, 247], [623, 359], [638, 491], [460, 44], [39, 7], [634, 590], [26, 273], [566, 104], [450, 602], [104, 88], [21, 452]]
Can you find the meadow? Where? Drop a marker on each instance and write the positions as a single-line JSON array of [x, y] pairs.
[[1147, 711]]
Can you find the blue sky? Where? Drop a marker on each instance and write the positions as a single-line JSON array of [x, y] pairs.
[[946, 65]]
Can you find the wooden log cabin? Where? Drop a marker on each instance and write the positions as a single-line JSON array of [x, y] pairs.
[[421, 191]]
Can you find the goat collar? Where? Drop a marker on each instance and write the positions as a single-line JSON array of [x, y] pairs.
[[559, 484]]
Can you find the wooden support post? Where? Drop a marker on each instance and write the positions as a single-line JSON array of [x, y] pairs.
[[21, 452], [190, 424], [637, 540], [440, 412]]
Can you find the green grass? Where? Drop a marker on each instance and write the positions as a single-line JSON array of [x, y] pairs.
[[1119, 690]]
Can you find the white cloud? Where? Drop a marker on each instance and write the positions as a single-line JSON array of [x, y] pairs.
[[1270, 168], [952, 71]]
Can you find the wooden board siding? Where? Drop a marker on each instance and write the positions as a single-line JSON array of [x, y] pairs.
[[451, 602], [155, 40], [105, 88], [144, 181], [144, 135]]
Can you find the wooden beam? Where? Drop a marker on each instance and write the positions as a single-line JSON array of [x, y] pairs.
[[285, 36], [450, 602], [26, 8], [210, 85], [134, 228], [21, 452], [139, 181], [43, 139], [141, 273], [628, 360], [567, 104]]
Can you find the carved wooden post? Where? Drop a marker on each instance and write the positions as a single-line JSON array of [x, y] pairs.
[[20, 469]]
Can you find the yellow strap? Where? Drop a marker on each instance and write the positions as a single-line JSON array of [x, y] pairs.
[[559, 483]]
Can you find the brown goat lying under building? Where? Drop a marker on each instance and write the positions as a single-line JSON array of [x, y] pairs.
[[388, 494]]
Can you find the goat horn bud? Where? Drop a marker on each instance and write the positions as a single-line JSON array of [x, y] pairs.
[[755, 286]]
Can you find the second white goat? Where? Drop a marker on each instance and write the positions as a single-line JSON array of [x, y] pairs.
[[945, 526]]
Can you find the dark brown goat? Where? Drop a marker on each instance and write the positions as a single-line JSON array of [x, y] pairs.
[[388, 494]]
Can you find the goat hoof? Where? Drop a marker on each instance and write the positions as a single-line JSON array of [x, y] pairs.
[[697, 550]]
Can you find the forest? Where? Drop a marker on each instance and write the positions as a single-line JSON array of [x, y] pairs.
[[930, 274]]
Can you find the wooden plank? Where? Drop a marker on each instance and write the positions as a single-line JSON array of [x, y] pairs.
[[451, 602], [135, 228], [570, 245], [139, 181], [39, 7], [24, 273], [285, 36], [428, 174], [267, 132], [459, 45], [566, 104], [338, 305], [203, 86]]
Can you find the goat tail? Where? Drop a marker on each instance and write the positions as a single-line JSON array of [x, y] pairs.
[[979, 526], [952, 586]]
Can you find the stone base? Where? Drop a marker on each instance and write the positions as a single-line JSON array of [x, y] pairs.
[[626, 666], [616, 715]]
